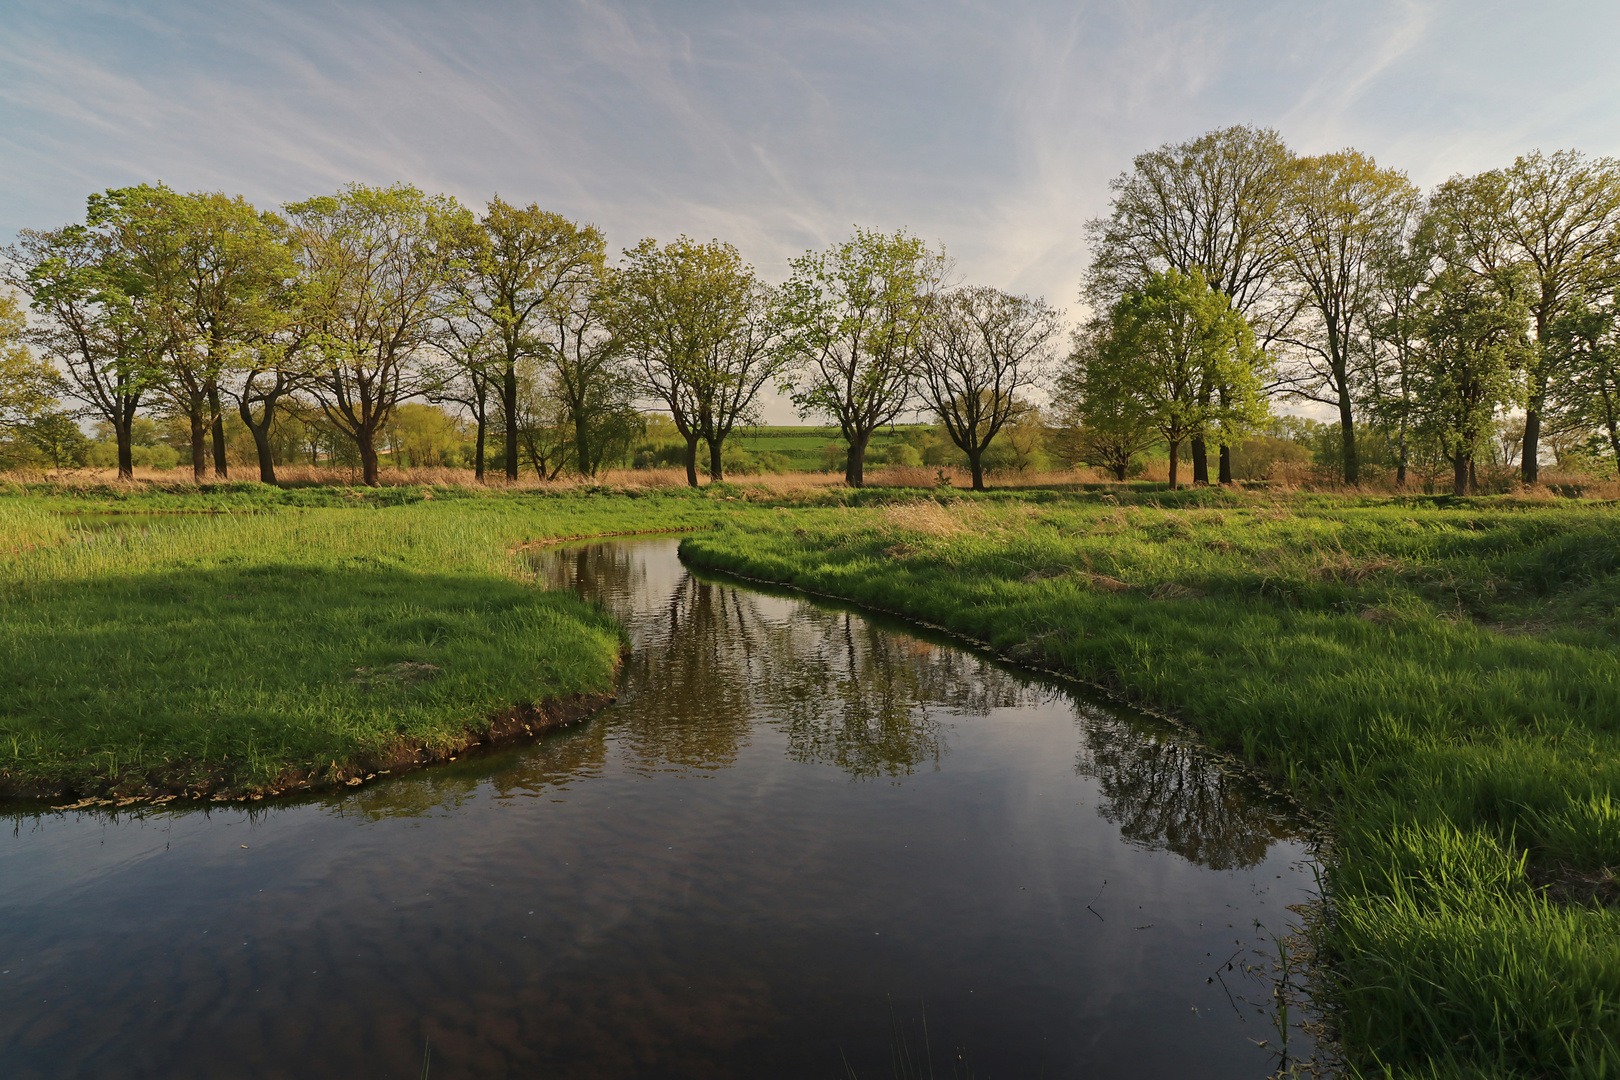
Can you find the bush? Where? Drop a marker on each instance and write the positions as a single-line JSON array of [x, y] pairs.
[[1255, 458], [734, 460]]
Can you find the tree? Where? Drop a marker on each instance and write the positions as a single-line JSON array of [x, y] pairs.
[[28, 385], [1209, 205], [1474, 338], [97, 322], [1111, 424], [1401, 274], [56, 436], [1560, 216], [855, 316], [1168, 342], [214, 266], [1341, 214], [1587, 340], [473, 370], [518, 260], [271, 372], [700, 329], [981, 347], [541, 420], [378, 264], [588, 375], [747, 357]]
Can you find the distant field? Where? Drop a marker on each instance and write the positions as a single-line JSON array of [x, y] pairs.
[[803, 446]]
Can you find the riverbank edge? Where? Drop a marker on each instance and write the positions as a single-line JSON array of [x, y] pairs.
[[515, 724]]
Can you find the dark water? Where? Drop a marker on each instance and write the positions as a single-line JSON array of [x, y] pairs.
[[797, 835]]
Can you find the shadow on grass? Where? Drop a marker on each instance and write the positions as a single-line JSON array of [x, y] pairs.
[[241, 672]]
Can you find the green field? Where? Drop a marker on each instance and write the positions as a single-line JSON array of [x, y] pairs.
[[1439, 677], [805, 447], [238, 639]]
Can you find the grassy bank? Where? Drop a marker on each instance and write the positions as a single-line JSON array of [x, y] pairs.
[[241, 638], [1441, 676]]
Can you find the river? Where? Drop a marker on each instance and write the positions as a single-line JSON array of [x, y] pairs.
[[802, 843]]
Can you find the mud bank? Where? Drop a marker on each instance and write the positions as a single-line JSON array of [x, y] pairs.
[[516, 724]]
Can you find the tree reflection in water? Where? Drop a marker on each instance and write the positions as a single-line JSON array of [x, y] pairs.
[[867, 700], [710, 661], [1168, 794]]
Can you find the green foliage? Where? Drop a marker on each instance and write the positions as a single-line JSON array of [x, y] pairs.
[[1173, 359], [855, 317], [902, 453], [1474, 334], [702, 331], [1438, 675], [28, 387], [376, 264], [56, 437]]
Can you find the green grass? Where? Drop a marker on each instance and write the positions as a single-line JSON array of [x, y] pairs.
[[274, 643], [1441, 676]]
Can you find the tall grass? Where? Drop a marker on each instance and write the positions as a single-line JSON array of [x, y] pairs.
[[1439, 674]]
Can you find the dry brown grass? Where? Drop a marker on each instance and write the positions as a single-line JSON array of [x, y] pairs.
[[1340, 565], [932, 518]]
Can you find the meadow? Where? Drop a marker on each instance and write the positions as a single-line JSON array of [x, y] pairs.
[[232, 640]]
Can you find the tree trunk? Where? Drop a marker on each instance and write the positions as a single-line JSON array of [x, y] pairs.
[[1347, 429], [199, 450], [714, 459], [126, 450], [478, 445], [1459, 473], [691, 460], [1609, 422], [976, 468], [1119, 471], [1473, 477], [1175, 461], [1528, 467], [1400, 464], [509, 407], [267, 463], [367, 441], [261, 439], [1225, 475], [1200, 461], [221, 469], [855, 464], [582, 448]]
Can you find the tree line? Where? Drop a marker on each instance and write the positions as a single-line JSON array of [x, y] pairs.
[[1231, 271], [192, 304]]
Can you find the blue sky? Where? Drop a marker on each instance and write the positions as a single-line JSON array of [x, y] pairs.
[[993, 128]]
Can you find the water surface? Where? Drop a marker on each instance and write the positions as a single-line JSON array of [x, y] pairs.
[[798, 832]]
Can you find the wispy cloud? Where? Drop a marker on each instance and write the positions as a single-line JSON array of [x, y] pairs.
[[993, 128]]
